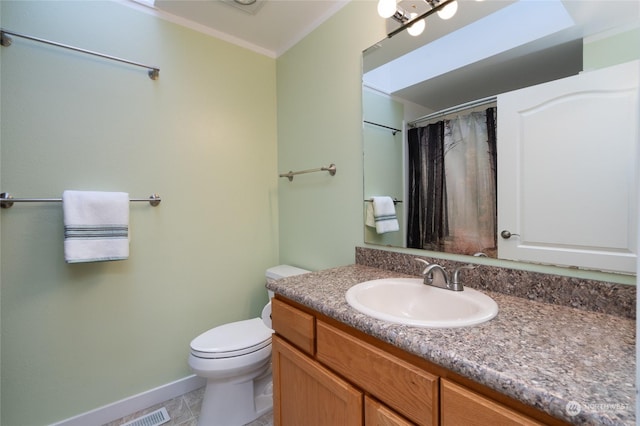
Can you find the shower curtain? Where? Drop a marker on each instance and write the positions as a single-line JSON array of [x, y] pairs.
[[452, 185], [427, 215]]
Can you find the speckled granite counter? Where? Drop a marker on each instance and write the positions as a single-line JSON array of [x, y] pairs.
[[544, 355]]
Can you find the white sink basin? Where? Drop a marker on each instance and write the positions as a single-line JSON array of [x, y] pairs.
[[409, 301]]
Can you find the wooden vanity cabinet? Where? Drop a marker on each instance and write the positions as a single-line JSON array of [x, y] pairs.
[[462, 406], [306, 393], [325, 373], [296, 326], [377, 414], [402, 386]]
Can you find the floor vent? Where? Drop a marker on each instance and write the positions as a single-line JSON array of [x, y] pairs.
[[154, 418]]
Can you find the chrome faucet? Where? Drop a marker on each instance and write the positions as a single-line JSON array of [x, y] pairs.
[[449, 283]]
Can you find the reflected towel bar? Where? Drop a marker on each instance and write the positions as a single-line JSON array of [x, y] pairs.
[[7, 200], [395, 201], [393, 129], [331, 169]]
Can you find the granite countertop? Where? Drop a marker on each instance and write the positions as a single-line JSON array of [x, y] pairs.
[[544, 355]]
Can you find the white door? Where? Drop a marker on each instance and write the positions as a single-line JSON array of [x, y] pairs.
[[567, 161]]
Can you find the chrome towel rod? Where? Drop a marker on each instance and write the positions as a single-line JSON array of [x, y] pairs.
[[331, 169], [393, 129], [395, 201], [7, 200], [5, 40]]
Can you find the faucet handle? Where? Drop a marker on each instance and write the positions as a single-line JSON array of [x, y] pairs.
[[455, 280], [456, 272], [425, 263]]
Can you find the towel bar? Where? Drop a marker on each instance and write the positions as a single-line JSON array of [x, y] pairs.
[[395, 201], [7, 200], [5, 40], [331, 169], [393, 129]]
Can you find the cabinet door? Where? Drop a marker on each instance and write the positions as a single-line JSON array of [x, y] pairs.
[[461, 406], [567, 180], [305, 393], [377, 414]]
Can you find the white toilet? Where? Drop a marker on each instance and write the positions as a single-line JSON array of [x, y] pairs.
[[235, 359]]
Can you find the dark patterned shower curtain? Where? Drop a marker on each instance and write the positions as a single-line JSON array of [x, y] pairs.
[[427, 215], [452, 184]]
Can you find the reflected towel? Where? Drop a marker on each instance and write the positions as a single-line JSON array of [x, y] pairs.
[[96, 226], [369, 219], [384, 213]]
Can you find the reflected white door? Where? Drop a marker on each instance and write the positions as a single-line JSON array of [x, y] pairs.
[[567, 170]]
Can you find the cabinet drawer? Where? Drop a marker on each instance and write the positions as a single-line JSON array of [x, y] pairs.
[[462, 406], [398, 384], [294, 325], [376, 414]]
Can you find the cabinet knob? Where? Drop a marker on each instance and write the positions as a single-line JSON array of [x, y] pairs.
[[506, 234]]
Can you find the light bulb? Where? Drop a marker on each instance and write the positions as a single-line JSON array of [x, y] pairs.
[[386, 8], [448, 11], [417, 28]]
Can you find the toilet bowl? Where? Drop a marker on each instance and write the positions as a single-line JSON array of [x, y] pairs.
[[235, 359]]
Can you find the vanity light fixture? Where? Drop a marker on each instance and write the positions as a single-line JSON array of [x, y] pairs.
[[448, 11], [411, 21], [417, 28], [386, 8]]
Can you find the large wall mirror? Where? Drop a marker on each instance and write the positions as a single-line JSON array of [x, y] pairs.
[[443, 85]]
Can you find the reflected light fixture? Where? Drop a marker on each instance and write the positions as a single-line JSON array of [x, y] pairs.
[[415, 24], [418, 27], [449, 10]]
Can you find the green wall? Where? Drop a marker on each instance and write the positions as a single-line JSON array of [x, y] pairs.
[[383, 158], [203, 136], [611, 49], [320, 122]]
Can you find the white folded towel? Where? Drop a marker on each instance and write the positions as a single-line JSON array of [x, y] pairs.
[[369, 219], [384, 213], [96, 226]]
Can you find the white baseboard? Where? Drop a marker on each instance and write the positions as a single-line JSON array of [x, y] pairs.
[[124, 407]]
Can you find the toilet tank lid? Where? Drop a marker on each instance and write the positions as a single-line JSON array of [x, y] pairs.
[[282, 271]]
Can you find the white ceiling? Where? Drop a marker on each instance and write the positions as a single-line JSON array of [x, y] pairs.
[[272, 29], [276, 25]]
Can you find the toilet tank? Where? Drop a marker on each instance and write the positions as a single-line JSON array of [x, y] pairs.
[[282, 271]]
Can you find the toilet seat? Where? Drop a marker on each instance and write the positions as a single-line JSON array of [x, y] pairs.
[[232, 340]]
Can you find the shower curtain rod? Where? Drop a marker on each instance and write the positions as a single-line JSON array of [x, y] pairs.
[[5, 40], [461, 107]]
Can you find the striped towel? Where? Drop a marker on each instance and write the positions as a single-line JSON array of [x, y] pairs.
[[96, 226], [384, 214]]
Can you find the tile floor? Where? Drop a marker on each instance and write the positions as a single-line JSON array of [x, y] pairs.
[[184, 410]]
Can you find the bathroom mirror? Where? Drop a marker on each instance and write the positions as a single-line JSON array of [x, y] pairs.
[[487, 48]]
